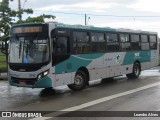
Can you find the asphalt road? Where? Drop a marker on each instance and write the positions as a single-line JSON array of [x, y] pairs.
[[120, 94]]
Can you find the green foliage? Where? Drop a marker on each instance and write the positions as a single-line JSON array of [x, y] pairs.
[[3, 64], [5, 18], [36, 19], [28, 11]]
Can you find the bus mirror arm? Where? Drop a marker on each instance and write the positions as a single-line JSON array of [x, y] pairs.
[[4, 47]]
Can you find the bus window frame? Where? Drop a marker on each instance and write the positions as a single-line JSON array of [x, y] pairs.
[[125, 42], [54, 37], [98, 42], [117, 34], [153, 42], [78, 42], [144, 42], [135, 42]]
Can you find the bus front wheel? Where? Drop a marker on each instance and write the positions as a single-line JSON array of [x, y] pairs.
[[135, 72], [80, 81]]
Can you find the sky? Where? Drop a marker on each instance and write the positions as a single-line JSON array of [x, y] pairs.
[[129, 14]]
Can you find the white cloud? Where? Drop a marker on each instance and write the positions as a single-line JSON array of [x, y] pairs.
[[147, 5], [111, 7], [92, 6], [36, 4]]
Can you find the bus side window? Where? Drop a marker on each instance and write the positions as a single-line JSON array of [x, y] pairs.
[[62, 46], [144, 42], [153, 42], [125, 42]]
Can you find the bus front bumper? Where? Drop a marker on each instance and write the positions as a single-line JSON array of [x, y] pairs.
[[31, 83]]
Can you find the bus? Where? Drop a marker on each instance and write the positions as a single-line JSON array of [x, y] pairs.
[[48, 55]]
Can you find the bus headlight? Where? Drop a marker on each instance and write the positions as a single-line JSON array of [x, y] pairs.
[[40, 76], [45, 73]]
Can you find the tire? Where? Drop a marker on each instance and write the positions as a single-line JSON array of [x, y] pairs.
[[80, 81], [135, 72]]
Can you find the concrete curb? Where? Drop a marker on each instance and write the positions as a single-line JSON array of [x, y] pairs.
[[3, 76]]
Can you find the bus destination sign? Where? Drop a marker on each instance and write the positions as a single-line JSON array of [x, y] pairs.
[[27, 29]]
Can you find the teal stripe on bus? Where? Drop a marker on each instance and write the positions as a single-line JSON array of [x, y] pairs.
[[75, 62], [141, 56]]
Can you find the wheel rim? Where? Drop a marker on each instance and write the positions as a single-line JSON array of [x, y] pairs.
[[136, 70], [78, 80]]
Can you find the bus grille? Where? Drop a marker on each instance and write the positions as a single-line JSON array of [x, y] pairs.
[[29, 81]]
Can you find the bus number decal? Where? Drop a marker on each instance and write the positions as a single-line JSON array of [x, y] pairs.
[[118, 59]]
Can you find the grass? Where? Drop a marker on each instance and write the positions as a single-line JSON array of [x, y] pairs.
[[3, 65]]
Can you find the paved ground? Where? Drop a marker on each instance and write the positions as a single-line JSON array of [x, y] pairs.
[[121, 94]]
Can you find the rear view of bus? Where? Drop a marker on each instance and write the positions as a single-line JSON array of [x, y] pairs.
[[29, 56]]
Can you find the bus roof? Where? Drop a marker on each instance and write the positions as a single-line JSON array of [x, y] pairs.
[[82, 27], [61, 25]]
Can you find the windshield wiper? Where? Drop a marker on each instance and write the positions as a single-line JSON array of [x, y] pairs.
[[20, 47], [27, 48]]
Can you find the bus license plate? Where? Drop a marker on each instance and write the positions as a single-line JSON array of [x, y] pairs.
[[22, 82]]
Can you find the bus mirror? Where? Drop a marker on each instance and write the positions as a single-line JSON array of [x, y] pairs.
[[4, 45], [1, 44], [3, 48]]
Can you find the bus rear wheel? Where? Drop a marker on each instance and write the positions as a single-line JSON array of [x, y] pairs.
[[80, 81], [135, 72]]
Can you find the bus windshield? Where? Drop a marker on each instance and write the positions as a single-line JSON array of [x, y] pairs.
[[29, 49]]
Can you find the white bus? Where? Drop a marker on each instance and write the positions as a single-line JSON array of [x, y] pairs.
[[45, 55]]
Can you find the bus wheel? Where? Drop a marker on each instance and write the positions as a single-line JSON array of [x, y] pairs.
[[80, 81], [136, 71]]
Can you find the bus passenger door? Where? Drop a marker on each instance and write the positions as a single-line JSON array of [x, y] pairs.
[[60, 60]]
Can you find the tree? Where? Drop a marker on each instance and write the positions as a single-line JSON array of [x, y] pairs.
[[39, 18], [6, 15]]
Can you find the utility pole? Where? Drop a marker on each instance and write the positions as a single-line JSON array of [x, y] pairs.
[[85, 19], [19, 8]]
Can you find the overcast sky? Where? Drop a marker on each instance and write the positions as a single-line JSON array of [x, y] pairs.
[[105, 13]]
